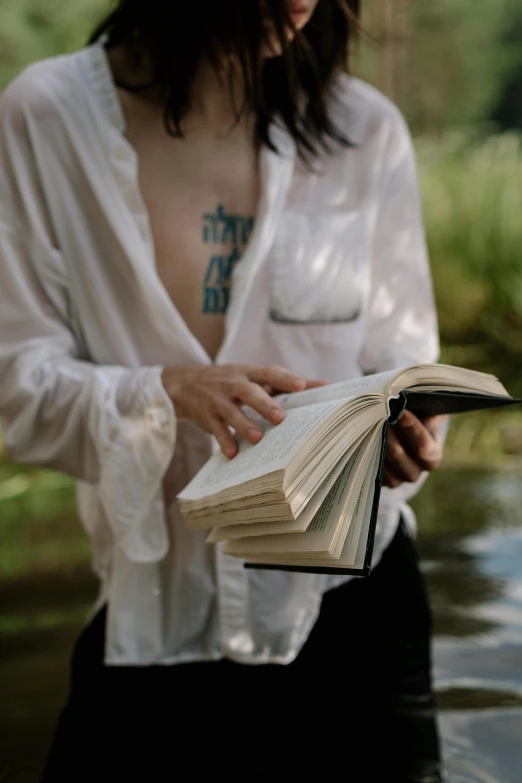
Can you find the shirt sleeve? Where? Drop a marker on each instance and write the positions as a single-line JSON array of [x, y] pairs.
[[107, 425], [401, 327]]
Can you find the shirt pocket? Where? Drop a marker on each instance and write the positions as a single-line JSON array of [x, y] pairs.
[[317, 268]]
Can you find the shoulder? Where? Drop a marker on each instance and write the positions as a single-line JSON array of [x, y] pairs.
[[365, 115], [39, 92]]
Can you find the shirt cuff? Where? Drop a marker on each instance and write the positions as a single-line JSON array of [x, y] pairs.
[[133, 467]]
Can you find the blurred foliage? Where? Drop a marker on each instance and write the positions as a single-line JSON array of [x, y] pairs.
[[33, 29], [444, 63], [32, 501], [507, 107], [473, 206]]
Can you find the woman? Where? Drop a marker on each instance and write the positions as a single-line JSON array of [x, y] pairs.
[[200, 209]]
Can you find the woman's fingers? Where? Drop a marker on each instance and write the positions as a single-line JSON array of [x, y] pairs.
[[234, 417], [315, 384], [390, 479], [276, 377], [224, 437], [399, 462], [255, 397], [433, 425], [418, 441], [310, 384], [412, 447], [254, 392]]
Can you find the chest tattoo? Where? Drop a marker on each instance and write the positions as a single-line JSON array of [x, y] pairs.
[[221, 230]]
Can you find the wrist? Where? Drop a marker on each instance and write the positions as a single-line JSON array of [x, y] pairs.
[[171, 378]]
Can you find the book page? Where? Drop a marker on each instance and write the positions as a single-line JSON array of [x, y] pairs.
[[360, 555], [367, 384], [354, 549], [355, 544], [444, 376], [322, 530], [300, 524], [350, 521], [273, 452]]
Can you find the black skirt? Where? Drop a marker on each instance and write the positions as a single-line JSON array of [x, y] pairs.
[[356, 704]]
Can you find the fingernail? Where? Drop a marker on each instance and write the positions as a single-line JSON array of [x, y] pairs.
[[276, 415], [230, 452], [254, 434], [298, 383]]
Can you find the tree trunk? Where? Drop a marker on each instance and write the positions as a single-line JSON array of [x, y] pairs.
[[389, 23]]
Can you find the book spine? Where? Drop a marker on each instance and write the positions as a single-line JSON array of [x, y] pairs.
[[376, 498], [395, 407]]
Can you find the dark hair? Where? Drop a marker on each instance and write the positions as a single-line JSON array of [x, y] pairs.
[[176, 35]]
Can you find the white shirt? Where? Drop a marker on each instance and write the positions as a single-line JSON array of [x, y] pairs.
[[334, 283]]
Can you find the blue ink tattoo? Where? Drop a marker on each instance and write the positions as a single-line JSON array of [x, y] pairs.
[[220, 228]]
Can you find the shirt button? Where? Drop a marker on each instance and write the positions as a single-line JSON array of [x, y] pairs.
[[241, 643]]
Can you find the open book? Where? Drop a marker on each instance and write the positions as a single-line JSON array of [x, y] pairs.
[[306, 497]]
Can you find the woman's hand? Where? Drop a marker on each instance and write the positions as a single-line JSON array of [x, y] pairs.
[[213, 395], [413, 447]]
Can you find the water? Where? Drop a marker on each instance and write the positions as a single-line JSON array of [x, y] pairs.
[[471, 543], [470, 540]]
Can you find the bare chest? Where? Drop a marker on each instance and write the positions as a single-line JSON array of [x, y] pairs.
[[200, 233], [201, 202]]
